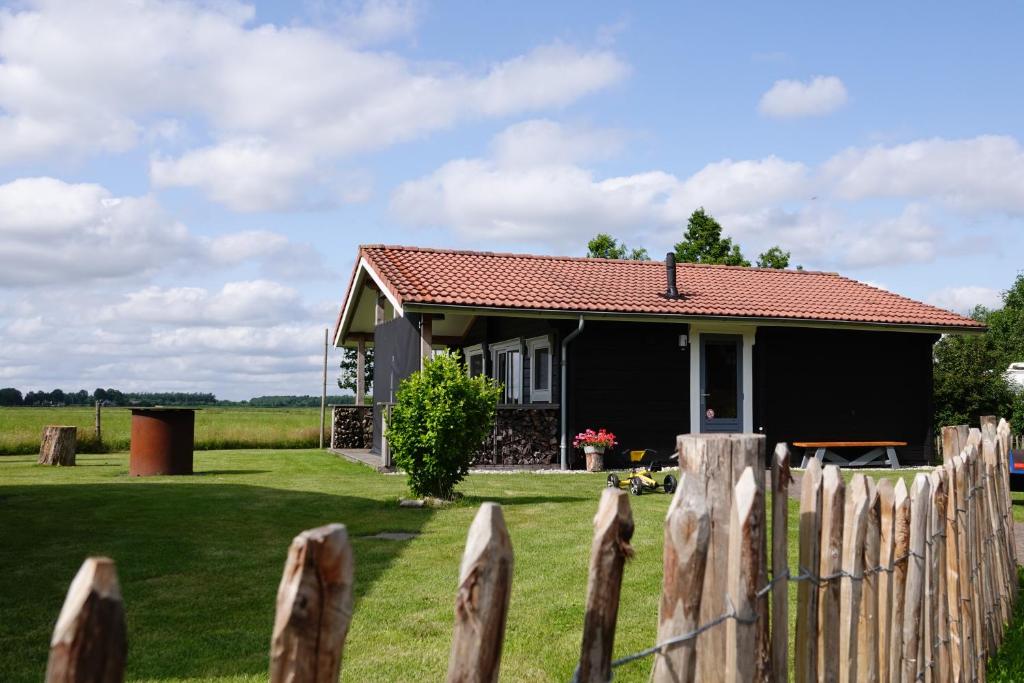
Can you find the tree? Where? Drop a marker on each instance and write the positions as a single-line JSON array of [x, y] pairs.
[[605, 246], [9, 396], [347, 378], [440, 419], [774, 258], [703, 243]]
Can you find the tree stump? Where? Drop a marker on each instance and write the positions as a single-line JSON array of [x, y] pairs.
[[58, 446]]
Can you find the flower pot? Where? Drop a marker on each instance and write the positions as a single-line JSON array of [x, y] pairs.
[[595, 458]]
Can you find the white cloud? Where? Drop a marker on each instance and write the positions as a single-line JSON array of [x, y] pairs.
[[539, 141], [964, 299], [795, 99], [255, 303], [981, 173], [283, 104], [377, 21]]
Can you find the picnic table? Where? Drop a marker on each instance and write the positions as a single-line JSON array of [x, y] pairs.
[[882, 452]]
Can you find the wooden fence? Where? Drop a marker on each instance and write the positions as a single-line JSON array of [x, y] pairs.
[[893, 584]]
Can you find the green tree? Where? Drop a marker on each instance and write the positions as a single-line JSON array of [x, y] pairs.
[[605, 246], [347, 378], [774, 258], [441, 417], [704, 243], [9, 396]]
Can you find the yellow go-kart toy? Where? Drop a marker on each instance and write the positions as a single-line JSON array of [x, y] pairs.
[[641, 477]]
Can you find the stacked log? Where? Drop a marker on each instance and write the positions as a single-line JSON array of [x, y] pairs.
[[521, 436], [58, 445], [352, 426]]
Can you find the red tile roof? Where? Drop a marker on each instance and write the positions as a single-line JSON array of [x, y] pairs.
[[490, 280]]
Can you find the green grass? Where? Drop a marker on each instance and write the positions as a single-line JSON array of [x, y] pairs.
[[216, 428], [200, 559]]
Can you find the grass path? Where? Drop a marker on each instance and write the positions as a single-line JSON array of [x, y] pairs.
[[200, 559]]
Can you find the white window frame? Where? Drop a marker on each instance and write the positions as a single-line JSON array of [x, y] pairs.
[[517, 382], [475, 350], [532, 346]]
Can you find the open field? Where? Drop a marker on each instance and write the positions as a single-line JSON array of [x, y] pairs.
[[200, 559], [20, 428]]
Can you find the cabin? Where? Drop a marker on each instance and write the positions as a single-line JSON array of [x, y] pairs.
[[650, 350]]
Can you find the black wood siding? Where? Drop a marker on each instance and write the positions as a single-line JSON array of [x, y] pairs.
[[632, 379], [496, 329], [835, 385]]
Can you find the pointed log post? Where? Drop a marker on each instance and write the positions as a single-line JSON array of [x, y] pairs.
[[913, 601], [1001, 609], [982, 597], [886, 494], [806, 661], [952, 576], [89, 643], [851, 586], [938, 642], [780, 564], [745, 538], [867, 627], [481, 603], [832, 502], [687, 527], [901, 546], [1004, 435], [968, 627], [718, 460], [58, 446], [314, 607], [613, 528], [951, 445]]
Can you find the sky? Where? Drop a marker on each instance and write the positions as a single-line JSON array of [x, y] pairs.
[[184, 185]]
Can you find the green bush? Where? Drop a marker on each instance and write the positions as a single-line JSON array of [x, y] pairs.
[[441, 416]]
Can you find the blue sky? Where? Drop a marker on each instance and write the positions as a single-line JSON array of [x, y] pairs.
[[183, 185]]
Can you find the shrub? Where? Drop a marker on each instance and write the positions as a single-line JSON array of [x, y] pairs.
[[441, 416]]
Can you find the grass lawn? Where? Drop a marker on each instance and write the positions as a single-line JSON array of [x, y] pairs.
[[228, 427], [200, 558]]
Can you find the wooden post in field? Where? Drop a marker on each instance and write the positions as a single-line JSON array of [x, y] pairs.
[[323, 394], [718, 460], [58, 446], [89, 642], [901, 558], [481, 604], [98, 424], [968, 578], [867, 627], [832, 502], [886, 494], [912, 627], [745, 539], [780, 564], [855, 529], [806, 660], [686, 546], [613, 528], [314, 607]]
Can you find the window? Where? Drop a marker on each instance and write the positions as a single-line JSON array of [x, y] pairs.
[[507, 361], [539, 349], [474, 360]]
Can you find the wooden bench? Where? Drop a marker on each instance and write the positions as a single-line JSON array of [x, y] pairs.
[[882, 452]]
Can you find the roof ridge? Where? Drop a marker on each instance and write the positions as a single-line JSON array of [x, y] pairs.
[[588, 259]]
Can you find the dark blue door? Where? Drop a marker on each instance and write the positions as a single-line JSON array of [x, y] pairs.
[[721, 383]]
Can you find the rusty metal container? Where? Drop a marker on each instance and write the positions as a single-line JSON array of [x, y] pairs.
[[162, 441]]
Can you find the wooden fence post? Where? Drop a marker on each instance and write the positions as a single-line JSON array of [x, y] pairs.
[[613, 528], [98, 423], [314, 607], [1005, 436], [58, 446], [938, 642], [886, 495], [832, 501], [969, 578], [780, 564], [951, 445], [912, 627], [481, 603], [745, 539], [806, 661], [901, 546], [867, 628], [850, 586], [993, 515], [686, 547], [952, 576], [89, 642], [718, 460]]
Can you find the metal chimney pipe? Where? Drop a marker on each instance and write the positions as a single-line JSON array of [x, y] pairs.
[[670, 273]]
